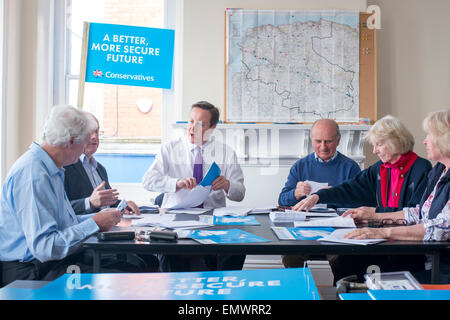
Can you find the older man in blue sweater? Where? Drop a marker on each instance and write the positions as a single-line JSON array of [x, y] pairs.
[[325, 164]]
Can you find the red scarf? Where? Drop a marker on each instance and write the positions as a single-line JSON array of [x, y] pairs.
[[404, 163]]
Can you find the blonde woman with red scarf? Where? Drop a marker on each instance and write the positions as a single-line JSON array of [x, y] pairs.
[[397, 181]]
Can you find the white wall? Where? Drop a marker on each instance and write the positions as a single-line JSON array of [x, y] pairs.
[[203, 41], [413, 61], [203, 72], [20, 72]]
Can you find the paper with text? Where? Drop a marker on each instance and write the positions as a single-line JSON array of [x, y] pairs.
[[338, 222]]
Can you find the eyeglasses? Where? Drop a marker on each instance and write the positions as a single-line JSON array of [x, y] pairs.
[[392, 222], [384, 223]]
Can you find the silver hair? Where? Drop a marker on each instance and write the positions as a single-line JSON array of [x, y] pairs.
[[393, 132], [64, 122]]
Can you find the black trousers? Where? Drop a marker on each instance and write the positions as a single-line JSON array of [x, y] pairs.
[[186, 263], [51, 270]]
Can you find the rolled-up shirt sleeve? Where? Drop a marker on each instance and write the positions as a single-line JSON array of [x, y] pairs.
[[412, 215], [52, 232], [438, 229]]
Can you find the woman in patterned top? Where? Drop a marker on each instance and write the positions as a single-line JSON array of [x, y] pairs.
[[430, 219]]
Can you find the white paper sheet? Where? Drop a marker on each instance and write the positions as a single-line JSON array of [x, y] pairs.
[[287, 216], [316, 186], [132, 216], [232, 211], [194, 198], [338, 236], [186, 224], [190, 210], [331, 213], [152, 220], [337, 222]]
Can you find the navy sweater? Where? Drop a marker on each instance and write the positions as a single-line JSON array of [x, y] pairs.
[[333, 172], [442, 194], [365, 188]]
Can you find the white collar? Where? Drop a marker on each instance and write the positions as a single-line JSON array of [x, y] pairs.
[[331, 159]]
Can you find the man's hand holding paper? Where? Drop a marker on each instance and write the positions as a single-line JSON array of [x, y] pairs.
[[221, 183]]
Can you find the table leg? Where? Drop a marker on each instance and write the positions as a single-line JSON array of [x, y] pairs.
[[435, 268], [218, 262], [96, 261]]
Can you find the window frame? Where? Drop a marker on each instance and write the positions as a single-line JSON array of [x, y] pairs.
[[62, 75]]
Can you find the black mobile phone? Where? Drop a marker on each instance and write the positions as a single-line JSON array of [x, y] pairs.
[[166, 236], [116, 235]]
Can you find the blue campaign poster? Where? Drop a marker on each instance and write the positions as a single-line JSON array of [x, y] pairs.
[[272, 284], [224, 236], [236, 221], [129, 55]]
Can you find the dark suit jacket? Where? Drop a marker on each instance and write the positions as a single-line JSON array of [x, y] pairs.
[[78, 186]]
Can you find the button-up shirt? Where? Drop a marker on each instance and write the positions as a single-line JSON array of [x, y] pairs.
[[94, 177], [176, 161], [36, 218], [437, 229], [321, 161]]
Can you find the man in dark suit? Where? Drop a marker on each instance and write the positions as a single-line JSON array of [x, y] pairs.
[[86, 183], [88, 190]]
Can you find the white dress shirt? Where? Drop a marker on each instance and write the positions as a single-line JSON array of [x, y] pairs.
[[94, 177], [176, 161]]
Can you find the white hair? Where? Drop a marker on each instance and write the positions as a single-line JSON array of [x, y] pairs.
[[64, 122], [393, 132]]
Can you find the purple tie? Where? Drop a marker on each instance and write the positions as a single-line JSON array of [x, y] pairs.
[[198, 168]]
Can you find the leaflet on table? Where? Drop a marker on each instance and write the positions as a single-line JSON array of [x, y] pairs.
[[318, 212], [290, 233], [189, 210], [262, 210], [337, 222], [316, 186], [223, 236], [242, 221], [153, 220], [232, 211], [338, 236], [230, 221], [287, 216]]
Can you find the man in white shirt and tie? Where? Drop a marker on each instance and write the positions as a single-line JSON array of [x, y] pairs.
[[182, 164]]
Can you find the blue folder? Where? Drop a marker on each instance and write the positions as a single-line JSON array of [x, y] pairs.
[[355, 296]]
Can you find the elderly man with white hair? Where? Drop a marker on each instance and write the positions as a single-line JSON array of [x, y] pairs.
[[40, 235]]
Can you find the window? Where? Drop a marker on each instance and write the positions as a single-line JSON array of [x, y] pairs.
[[131, 118], [125, 113]]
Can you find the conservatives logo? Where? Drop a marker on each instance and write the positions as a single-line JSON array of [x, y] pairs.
[[98, 73]]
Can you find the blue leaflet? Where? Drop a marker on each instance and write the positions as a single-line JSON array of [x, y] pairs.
[[213, 174]]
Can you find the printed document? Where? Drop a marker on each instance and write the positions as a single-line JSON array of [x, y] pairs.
[[338, 236], [316, 186], [232, 211], [338, 222]]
